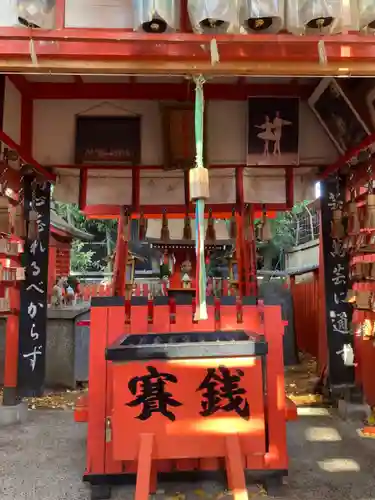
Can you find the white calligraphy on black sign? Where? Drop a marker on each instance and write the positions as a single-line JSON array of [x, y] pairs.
[[340, 322], [35, 248]]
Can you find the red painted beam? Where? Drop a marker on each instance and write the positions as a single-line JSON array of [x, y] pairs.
[[118, 44], [27, 158], [343, 160], [60, 14], [127, 35], [87, 166], [164, 91]]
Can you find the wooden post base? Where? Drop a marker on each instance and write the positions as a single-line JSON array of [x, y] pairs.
[[146, 476]]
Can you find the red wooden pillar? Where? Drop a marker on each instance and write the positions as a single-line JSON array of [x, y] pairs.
[[242, 260], [122, 247], [239, 255], [252, 252]]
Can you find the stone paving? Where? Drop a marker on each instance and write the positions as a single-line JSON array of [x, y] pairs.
[[44, 460]]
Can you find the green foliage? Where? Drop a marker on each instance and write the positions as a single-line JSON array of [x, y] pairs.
[[81, 259], [283, 231], [71, 213]]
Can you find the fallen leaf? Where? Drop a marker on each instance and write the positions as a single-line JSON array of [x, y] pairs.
[[177, 496], [202, 494]]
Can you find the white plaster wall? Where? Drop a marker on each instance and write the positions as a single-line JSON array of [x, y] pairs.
[[8, 13], [54, 127], [54, 144], [98, 13], [227, 135], [12, 112]]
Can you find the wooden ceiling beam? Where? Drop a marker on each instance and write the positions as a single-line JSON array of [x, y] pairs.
[[126, 52]]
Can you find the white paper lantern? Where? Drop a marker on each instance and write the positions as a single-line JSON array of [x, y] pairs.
[[214, 16], [156, 16], [315, 16], [366, 14], [36, 13], [262, 16]]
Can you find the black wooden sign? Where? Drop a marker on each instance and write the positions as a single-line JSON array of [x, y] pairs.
[[336, 278], [108, 139], [33, 315], [338, 116]]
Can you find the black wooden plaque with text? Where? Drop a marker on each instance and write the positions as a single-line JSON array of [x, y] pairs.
[[336, 280], [108, 139], [33, 315]]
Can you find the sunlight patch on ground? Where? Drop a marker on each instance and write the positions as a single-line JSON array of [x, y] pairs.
[[305, 411], [339, 465], [321, 434]]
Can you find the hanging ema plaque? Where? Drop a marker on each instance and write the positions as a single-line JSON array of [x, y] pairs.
[[108, 140], [336, 280], [33, 315]]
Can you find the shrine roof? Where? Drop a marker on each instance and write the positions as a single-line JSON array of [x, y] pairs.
[[62, 226]]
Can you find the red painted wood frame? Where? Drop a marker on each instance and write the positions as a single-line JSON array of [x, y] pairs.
[[108, 323], [113, 211], [77, 43], [136, 90]]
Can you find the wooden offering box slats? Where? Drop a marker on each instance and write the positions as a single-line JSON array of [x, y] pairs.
[[176, 396]]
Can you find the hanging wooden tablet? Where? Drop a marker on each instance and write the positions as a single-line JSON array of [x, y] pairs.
[[357, 271], [360, 242], [164, 235], [4, 215], [370, 212], [372, 272], [233, 226], [187, 228], [16, 221], [210, 233], [363, 300], [142, 227], [366, 270], [32, 229], [337, 227], [353, 222]]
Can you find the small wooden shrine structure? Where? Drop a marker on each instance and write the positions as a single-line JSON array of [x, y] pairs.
[[117, 106]]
